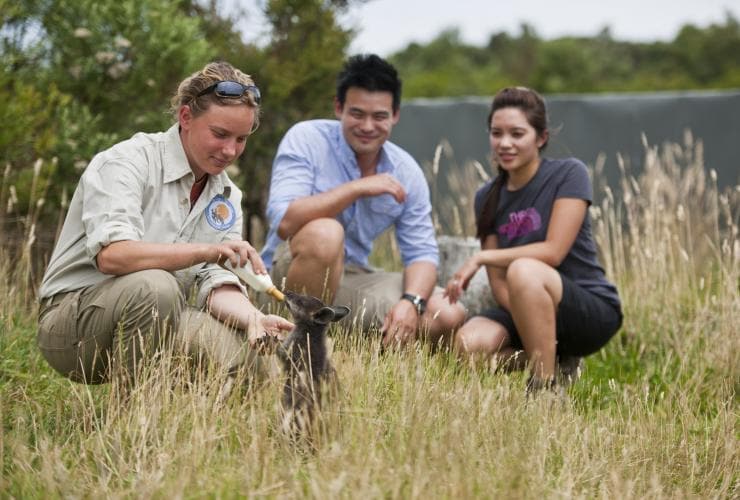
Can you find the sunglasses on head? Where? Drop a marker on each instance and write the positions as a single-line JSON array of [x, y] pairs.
[[232, 90]]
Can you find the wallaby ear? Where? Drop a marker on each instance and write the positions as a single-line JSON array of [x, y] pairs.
[[324, 315], [340, 312]]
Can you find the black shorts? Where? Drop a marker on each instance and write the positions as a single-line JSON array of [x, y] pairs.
[[585, 321]]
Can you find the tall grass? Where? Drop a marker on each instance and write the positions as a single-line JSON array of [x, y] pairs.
[[655, 413]]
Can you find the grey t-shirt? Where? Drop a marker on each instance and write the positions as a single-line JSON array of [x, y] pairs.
[[524, 216]]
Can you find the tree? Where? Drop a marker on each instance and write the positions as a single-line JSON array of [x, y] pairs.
[[697, 58], [296, 72], [122, 59], [78, 75], [88, 73]]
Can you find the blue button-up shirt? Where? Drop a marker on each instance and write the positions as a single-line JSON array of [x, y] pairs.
[[314, 157]]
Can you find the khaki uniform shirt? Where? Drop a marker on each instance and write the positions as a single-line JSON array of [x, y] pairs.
[[139, 190]]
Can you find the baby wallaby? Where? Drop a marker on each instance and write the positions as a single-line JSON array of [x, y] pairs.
[[305, 359]]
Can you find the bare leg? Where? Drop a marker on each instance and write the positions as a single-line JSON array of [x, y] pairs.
[[317, 259], [535, 290], [481, 338], [440, 318]]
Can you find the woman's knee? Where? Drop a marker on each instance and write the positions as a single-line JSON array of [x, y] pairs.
[[523, 270], [153, 293], [161, 289], [446, 316], [531, 274], [481, 335]]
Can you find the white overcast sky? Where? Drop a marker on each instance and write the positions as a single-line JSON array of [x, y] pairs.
[[386, 26]]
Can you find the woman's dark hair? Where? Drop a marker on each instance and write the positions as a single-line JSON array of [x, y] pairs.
[[533, 107]]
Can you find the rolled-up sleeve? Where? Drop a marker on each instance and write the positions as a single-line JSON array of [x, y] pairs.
[[111, 206], [414, 229], [210, 277]]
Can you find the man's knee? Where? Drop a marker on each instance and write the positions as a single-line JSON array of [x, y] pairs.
[[321, 240]]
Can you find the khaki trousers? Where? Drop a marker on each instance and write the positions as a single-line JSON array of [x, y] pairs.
[[369, 293], [87, 333]]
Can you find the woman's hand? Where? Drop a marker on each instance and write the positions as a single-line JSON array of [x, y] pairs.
[[237, 252], [269, 325], [460, 280]]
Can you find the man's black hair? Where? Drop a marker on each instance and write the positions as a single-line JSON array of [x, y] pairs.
[[369, 72]]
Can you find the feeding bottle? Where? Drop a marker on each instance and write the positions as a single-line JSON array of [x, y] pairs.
[[259, 282]]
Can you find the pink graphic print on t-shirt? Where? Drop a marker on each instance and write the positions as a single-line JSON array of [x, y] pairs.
[[521, 223]]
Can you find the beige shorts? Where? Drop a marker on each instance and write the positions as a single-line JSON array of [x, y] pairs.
[[369, 293]]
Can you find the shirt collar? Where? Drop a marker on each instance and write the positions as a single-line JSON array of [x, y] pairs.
[[175, 161]]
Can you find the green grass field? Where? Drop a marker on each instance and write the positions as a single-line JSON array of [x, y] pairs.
[[654, 415]]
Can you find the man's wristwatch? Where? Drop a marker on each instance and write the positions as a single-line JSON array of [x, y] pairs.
[[417, 300]]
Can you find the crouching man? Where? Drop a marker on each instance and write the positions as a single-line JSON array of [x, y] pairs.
[[339, 184]]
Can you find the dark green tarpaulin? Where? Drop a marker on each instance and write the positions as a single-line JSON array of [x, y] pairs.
[[585, 126]]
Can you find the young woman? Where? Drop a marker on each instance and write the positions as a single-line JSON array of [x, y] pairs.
[[151, 219], [553, 299]]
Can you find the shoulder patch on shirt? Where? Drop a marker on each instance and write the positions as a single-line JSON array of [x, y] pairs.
[[220, 213]]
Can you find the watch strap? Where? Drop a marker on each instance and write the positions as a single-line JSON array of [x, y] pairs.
[[419, 302]]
